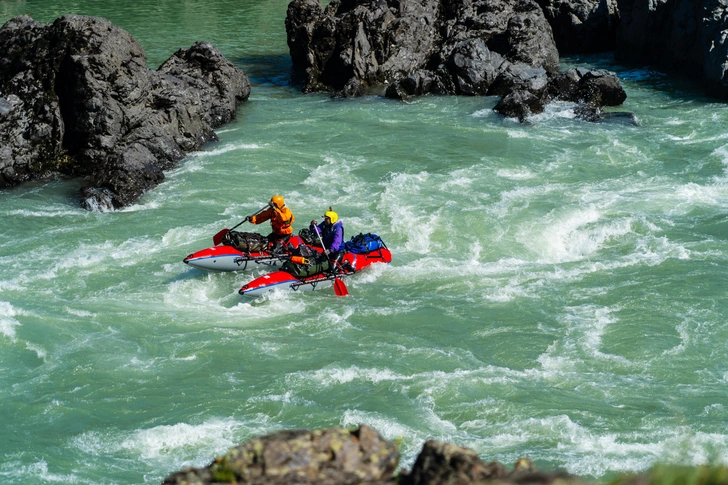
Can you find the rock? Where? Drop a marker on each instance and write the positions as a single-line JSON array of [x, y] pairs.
[[596, 87], [339, 456], [334, 456], [469, 47], [582, 26], [77, 99], [31, 128], [519, 104], [686, 38], [590, 89], [445, 463], [461, 47]]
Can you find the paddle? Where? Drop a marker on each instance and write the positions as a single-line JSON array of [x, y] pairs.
[[339, 285], [217, 238]]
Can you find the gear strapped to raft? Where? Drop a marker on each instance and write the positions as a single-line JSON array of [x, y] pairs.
[[364, 243], [246, 242]]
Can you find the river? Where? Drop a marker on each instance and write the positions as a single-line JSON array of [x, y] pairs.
[[558, 289]]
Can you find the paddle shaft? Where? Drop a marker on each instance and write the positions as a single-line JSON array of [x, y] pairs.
[[339, 285], [217, 238]]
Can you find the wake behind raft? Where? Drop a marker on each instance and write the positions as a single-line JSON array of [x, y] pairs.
[[317, 274]]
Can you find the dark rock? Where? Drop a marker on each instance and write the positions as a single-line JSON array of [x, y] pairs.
[[620, 117], [77, 99], [339, 456], [474, 67], [518, 77], [445, 463], [448, 464], [461, 46], [519, 105], [588, 112], [589, 89], [681, 37], [466, 47], [667, 34], [581, 26], [596, 87]]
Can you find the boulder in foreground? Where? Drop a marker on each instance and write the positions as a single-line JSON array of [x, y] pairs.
[[339, 456]]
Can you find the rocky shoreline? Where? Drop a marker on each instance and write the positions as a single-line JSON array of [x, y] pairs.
[[339, 456], [77, 100], [499, 48]]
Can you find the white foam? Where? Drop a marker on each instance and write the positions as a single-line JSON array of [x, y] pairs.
[[287, 398], [164, 440], [37, 472], [79, 313], [39, 351], [684, 330], [47, 212], [370, 274], [215, 296], [518, 133], [336, 375], [554, 110], [694, 195], [586, 324], [225, 148], [185, 444], [326, 321], [8, 323], [412, 222], [520, 173], [572, 236]]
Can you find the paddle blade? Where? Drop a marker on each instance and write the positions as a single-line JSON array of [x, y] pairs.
[[217, 238], [340, 288]]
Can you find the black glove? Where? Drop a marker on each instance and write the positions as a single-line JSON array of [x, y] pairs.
[[313, 223], [271, 205], [248, 218]]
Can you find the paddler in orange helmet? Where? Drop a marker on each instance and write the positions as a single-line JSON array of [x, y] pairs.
[[281, 219]]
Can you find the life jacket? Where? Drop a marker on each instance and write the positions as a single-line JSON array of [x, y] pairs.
[[281, 221], [328, 234]]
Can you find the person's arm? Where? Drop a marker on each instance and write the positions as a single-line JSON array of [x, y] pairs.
[[316, 227], [262, 217]]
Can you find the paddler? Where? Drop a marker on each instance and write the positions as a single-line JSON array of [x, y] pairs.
[[281, 219], [332, 235]]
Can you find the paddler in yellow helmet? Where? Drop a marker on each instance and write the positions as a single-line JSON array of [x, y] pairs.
[[332, 233], [281, 218]]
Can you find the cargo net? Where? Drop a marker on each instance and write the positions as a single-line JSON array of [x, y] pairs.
[[247, 242]]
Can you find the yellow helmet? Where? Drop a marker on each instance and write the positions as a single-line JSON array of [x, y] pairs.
[[278, 201], [332, 215]]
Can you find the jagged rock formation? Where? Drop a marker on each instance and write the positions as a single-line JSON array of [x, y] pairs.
[[581, 26], [684, 37], [77, 99], [339, 456], [464, 47]]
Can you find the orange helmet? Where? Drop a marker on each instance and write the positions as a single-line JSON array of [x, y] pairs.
[[278, 201]]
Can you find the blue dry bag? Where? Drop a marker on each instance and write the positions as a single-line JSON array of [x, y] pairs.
[[364, 243]]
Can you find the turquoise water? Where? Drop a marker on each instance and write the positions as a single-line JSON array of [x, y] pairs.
[[558, 288]]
